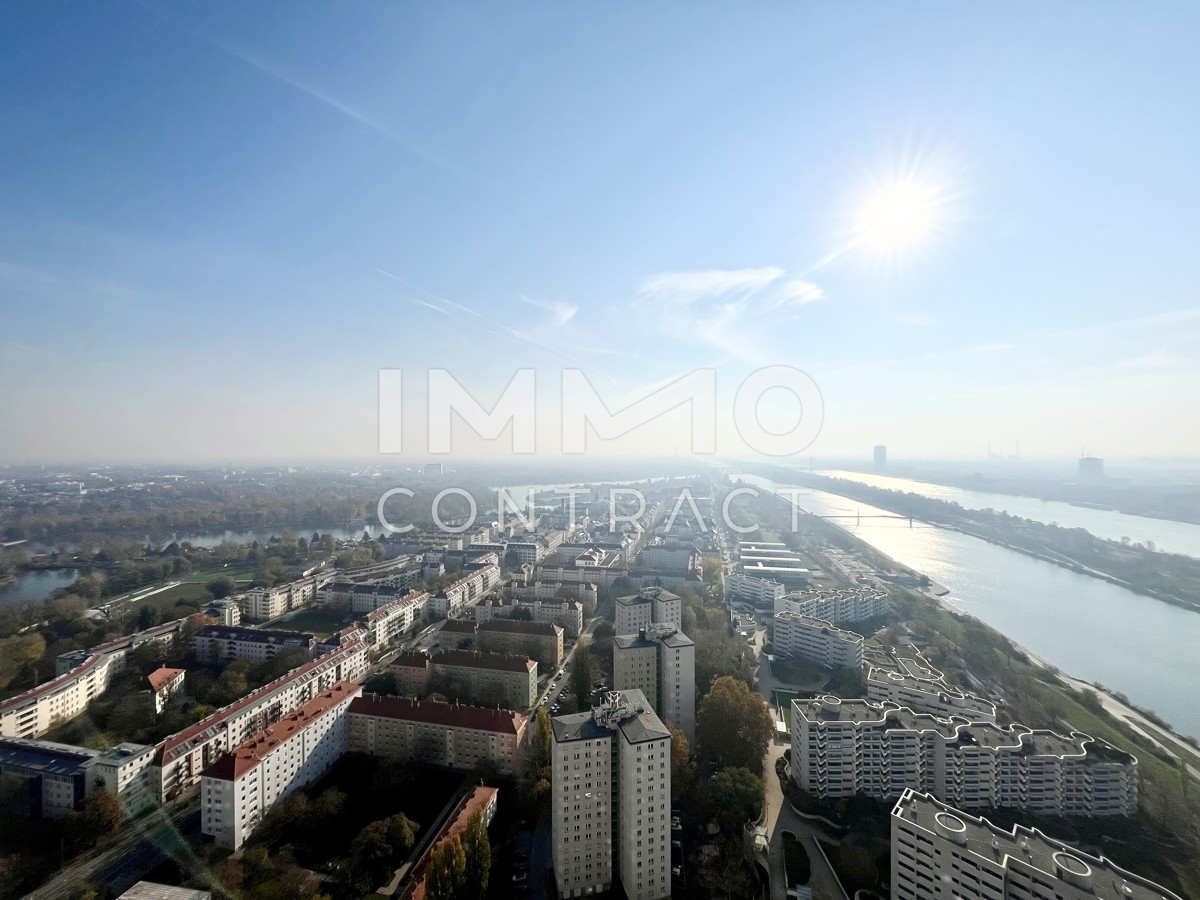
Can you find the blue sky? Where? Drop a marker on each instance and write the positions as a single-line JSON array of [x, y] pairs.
[[219, 221]]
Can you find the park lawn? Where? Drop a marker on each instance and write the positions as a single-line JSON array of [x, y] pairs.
[[799, 672], [316, 620], [164, 601], [783, 699]]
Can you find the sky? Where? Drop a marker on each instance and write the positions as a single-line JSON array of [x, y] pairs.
[[220, 221]]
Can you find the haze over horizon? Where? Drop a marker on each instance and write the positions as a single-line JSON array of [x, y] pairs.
[[220, 222]]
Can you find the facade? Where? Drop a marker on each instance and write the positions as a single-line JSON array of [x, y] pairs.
[[386, 623], [673, 559], [816, 640], [264, 603], [846, 747], [442, 734], [603, 576], [940, 853], [479, 799], [611, 798], [82, 677], [540, 602], [537, 640], [241, 787], [481, 576], [165, 683], [180, 759], [836, 606], [226, 612], [52, 774], [488, 679], [124, 771], [750, 589], [660, 661], [912, 682], [222, 644], [649, 606], [361, 598], [773, 560]]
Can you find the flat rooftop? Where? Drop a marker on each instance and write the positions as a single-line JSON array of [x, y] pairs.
[[994, 845]]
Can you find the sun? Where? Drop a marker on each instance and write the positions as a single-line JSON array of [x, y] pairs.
[[898, 217]]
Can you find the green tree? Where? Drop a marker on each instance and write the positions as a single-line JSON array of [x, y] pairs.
[[581, 678], [542, 736], [371, 855], [402, 833], [734, 726], [737, 794], [446, 873], [478, 851], [381, 683], [221, 587]]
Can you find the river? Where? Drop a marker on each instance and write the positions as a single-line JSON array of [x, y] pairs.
[[1166, 535], [1089, 628]]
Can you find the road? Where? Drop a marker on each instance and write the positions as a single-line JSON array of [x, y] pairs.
[[779, 815], [138, 849]]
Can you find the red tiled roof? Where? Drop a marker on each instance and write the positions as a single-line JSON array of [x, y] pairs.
[[478, 718], [246, 756], [519, 626], [476, 660], [181, 741], [455, 824], [162, 677], [411, 659]]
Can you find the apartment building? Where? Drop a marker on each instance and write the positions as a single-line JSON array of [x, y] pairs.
[[487, 679], [816, 640], [226, 612], [385, 624], [53, 774], [442, 734], [611, 799], [124, 771], [942, 853], [537, 640], [751, 589], [836, 606], [361, 598], [481, 577], [603, 576], [222, 644], [673, 559], [83, 675], [179, 760], [243, 785], [845, 747], [165, 683], [649, 606], [265, 603], [659, 661], [910, 681], [567, 613]]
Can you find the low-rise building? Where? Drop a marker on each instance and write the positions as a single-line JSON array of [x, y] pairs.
[[226, 612], [124, 771], [845, 747], [942, 853], [750, 589], [537, 640], [674, 559], [443, 734], [222, 644], [816, 640], [165, 683], [52, 775], [538, 605], [242, 786]]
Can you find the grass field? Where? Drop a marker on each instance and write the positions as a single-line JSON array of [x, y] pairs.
[[316, 620]]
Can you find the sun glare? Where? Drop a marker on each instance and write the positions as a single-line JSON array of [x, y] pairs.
[[898, 217]]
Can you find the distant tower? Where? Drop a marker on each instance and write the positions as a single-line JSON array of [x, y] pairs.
[[880, 457], [1091, 468]]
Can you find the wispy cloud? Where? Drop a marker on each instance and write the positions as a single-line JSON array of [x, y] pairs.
[[443, 305], [560, 313], [720, 307]]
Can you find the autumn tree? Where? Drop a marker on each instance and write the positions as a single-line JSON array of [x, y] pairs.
[[737, 794], [734, 726], [478, 850], [681, 765], [446, 872]]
